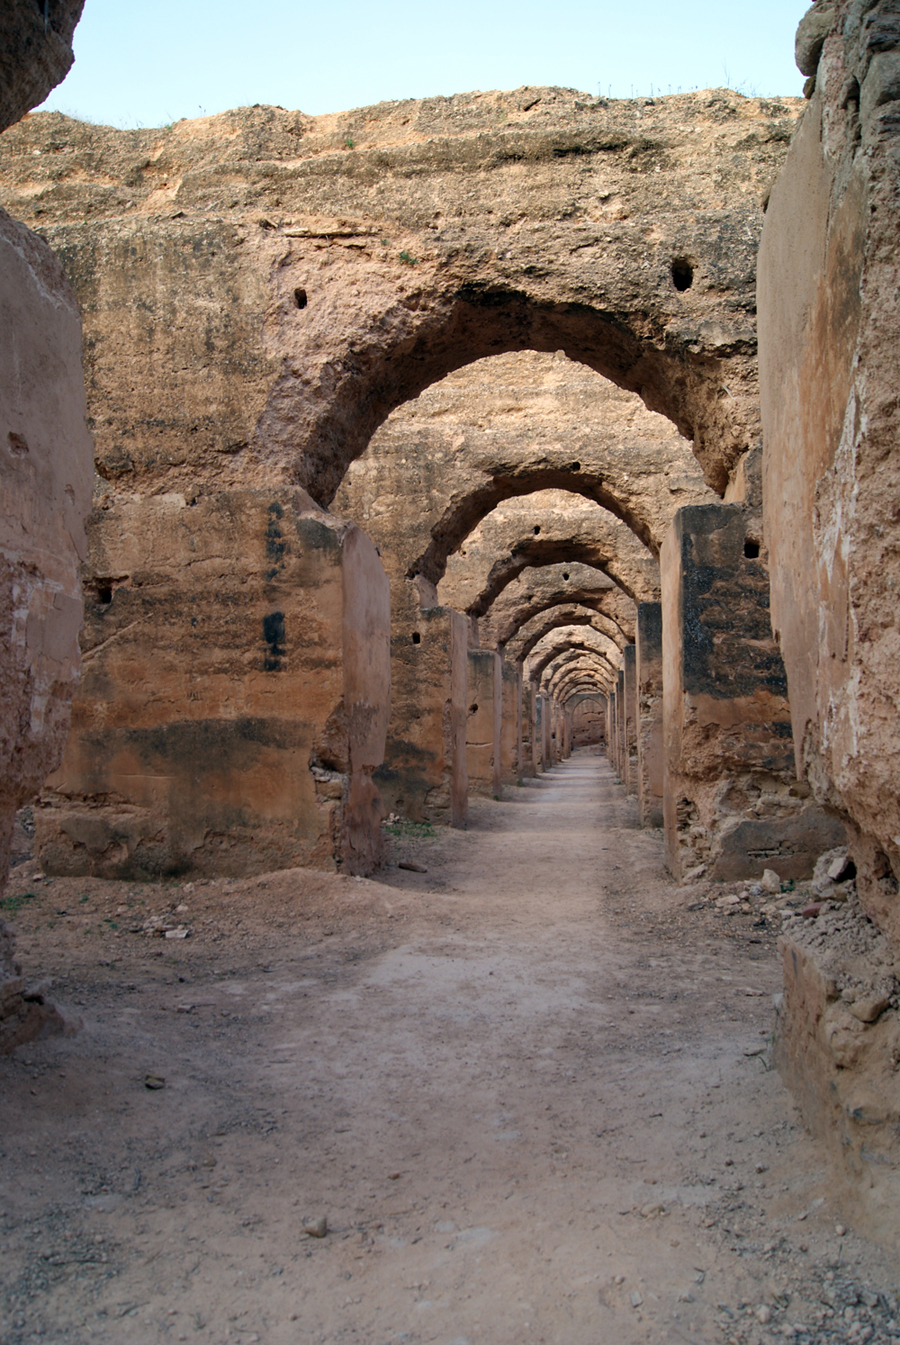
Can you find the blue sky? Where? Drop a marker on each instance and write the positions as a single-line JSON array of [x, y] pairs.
[[139, 65]]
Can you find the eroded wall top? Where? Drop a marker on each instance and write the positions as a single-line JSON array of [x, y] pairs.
[[261, 289]]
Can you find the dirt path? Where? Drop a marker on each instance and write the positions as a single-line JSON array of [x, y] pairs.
[[527, 1089]]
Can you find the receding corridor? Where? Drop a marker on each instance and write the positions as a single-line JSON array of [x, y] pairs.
[[528, 1089]]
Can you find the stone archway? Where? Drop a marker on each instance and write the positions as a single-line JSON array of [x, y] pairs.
[[336, 300], [525, 639], [539, 551], [537, 590]]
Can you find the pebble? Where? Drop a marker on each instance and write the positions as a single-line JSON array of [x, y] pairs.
[[412, 866], [154, 1081], [316, 1228], [636, 1299], [763, 1313]]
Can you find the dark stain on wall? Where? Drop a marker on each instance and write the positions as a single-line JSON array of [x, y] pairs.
[[273, 635]]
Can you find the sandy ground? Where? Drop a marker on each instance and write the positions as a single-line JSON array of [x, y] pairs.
[[528, 1089]]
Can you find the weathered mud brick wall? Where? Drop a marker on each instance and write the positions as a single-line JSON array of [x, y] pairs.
[[483, 722], [650, 717], [539, 757], [236, 693], [588, 721], [529, 710], [511, 748], [837, 1046], [45, 488], [526, 760], [45, 481], [732, 803], [629, 670], [424, 774], [342, 293], [556, 731], [829, 280]]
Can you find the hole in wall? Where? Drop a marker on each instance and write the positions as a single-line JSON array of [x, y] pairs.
[[300, 298], [104, 594], [883, 873], [751, 549], [473, 709], [416, 638], [17, 444], [682, 274], [565, 575], [537, 528]]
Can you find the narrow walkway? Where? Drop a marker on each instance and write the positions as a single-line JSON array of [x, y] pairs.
[[529, 1098]]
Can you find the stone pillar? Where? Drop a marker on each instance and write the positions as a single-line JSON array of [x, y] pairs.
[[510, 723], [611, 721], [650, 728], [423, 775], [630, 742], [235, 697], [537, 732], [546, 732], [621, 756], [483, 722], [731, 803], [526, 713]]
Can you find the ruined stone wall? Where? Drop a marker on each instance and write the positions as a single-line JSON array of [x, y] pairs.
[[483, 722], [650, 717], [588, 721], [512, 426], [548, 525], [829, 278], [536, 591], [331, 268], [436, 466], [262, 289], [45, 487], [828, 284], [732, 806], [45, 482], [235, 696], [511, 745]]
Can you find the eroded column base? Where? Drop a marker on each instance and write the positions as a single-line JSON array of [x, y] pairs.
[[25, 1015], [837, 1048]]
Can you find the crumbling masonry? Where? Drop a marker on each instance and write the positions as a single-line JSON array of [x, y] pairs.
[[432, 440]]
